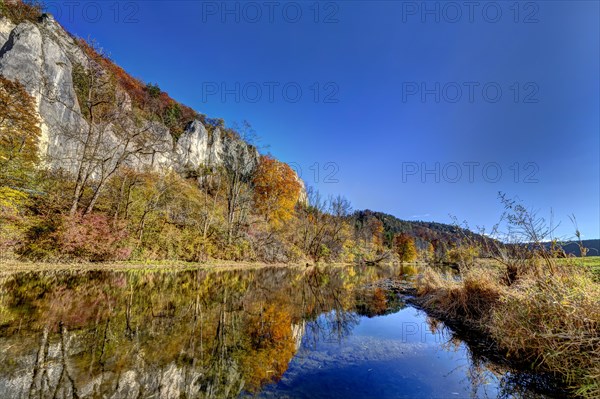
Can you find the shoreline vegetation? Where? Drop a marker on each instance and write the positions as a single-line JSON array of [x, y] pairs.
[[8, 267], [548, 325], [539, 311], [589, 265]]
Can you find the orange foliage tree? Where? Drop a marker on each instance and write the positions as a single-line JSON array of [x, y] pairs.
[[272, 347], [376, 228], [404, 246], [276, 190]]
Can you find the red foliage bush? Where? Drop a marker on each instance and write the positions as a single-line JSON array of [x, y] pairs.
[[134, 87], [92, 237]]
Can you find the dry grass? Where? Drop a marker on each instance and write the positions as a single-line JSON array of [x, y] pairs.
[[554, 323], [550, 321], [468, 300]]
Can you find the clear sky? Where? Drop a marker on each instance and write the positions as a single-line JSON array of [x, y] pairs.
[[481, 96]]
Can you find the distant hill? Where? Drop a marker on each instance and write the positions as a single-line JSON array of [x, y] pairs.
[[572, 248], [445, 234], [432, 232]]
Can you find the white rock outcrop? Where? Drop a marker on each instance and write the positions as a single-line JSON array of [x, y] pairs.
[[42, 56]]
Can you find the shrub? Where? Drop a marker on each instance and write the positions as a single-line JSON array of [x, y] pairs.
[[551, 321], [153, 90], [21, 11], [12, 208], [93, 237], [469, 300], [464, 256], [39, 242]]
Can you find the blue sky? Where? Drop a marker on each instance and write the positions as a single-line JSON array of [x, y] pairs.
[[503, 96]]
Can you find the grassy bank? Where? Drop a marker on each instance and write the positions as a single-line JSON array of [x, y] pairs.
[[547, 319], [590, 262]]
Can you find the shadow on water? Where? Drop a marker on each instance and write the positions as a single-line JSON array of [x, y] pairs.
[[271, 332]]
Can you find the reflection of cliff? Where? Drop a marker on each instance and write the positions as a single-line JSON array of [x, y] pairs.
[[190, 334], [298, 333], [59, 372]]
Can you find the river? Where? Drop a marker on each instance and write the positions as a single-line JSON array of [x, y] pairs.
[[327, 332]]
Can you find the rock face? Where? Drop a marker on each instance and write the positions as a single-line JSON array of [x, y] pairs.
[[42, 57]]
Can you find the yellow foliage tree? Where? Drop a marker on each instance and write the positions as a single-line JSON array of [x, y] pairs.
[[276, 190], [463, 255], [376, 227], [19, 133]]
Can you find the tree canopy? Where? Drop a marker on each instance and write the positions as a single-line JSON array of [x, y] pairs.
[[276, 190], [19, 133]]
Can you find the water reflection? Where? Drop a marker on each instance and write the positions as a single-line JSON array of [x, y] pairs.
[[194, 334]]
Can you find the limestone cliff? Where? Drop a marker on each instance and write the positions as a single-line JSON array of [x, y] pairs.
[[43, 57]]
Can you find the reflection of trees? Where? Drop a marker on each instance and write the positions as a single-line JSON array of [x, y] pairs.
[[376, 301], [478, 372], [169, 334], [331, 327], [327, 296], [271, 344]]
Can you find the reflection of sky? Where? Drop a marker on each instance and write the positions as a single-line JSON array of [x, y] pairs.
[[393, 356], [407, 326]]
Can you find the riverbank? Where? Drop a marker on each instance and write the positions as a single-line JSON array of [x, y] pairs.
[[16, 266], [547, 319]]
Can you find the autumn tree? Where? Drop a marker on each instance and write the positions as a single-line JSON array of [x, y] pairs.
[[237, 175], [19, 134], [404, 246], [323, 225], [370, 236], [428, 253], [464, 255], [375, 228], [276, 190], [113, 135], [237, 195]]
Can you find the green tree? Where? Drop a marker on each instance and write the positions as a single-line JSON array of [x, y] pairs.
[[153, 90]]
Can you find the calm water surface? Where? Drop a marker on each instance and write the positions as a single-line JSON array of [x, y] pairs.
[[272, 333]]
